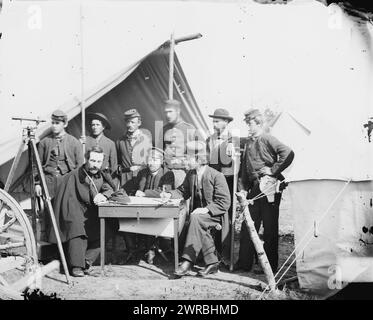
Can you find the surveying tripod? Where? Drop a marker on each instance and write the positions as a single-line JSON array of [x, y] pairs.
[[28, 139]]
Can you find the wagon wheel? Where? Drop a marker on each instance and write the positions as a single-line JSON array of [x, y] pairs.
[[18, 255]]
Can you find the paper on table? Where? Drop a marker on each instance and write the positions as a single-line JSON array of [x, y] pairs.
[[152, 201]]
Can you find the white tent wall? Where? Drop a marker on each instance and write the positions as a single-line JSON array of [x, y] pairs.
[[327, 232]]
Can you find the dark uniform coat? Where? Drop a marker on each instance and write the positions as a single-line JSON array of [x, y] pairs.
[[151, 185], [76, 215], [175, 138], [129, 155]]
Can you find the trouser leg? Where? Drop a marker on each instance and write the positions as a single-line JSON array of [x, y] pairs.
[[76, 250], [199, 238], [271, 226], [93, 252], [247, 249], [130, 241], [226, 245]]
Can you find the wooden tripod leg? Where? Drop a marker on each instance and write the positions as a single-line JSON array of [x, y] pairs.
[[50, 209], [33, 195], [234, 206]]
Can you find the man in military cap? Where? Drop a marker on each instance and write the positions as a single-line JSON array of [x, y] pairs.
[[176, 134], [265, 157], [209, 197], [132, 150], [98, 123], [59, 153], [150, 182], [220, 149]]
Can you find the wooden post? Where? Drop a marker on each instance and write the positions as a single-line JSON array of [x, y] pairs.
[[171, 68], [263, 260], [82, 102], [234, 206]]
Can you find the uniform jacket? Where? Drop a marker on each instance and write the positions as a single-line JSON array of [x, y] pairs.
[[217, 150], [175, 138], [265, 150], [129, 155], [72, 149]]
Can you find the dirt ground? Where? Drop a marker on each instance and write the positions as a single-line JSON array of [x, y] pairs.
[[139, 280]]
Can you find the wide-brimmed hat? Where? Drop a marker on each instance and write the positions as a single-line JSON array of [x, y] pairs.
[[221, 113], [101, 117]]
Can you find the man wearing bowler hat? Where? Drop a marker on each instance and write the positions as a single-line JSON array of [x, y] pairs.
[[98, 123], [59, 154], [176, 134], [220, 149]]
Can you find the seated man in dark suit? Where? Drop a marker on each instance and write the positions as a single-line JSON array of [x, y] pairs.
[[209, 201]]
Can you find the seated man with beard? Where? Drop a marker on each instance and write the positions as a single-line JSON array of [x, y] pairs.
[[76, 211]]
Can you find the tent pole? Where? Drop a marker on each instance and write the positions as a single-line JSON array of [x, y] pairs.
[[171, 69], [82, 104]]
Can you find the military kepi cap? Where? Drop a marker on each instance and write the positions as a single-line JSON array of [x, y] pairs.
[[131, 113], [59, 115], [251, 114], [99, 116], [172, 103]]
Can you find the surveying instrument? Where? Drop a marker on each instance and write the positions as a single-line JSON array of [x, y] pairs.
[[28, 140]]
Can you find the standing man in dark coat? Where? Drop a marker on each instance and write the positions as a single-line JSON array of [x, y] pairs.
[[176, 135], [133, 147], [264, 157], [76, 211], [59, 154], [220, 149], [98, 123], [210, 201], [132, 151]]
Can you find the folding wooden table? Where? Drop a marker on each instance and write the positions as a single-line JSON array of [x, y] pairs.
[[144, 216]]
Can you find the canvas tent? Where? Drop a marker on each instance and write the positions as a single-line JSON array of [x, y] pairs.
[[331, 184], [310, 61], [123, 64]]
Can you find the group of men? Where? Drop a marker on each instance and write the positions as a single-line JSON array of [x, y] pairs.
[[185, 166]]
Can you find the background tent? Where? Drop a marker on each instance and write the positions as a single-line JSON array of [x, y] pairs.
[[311, 61], [123, 67]]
